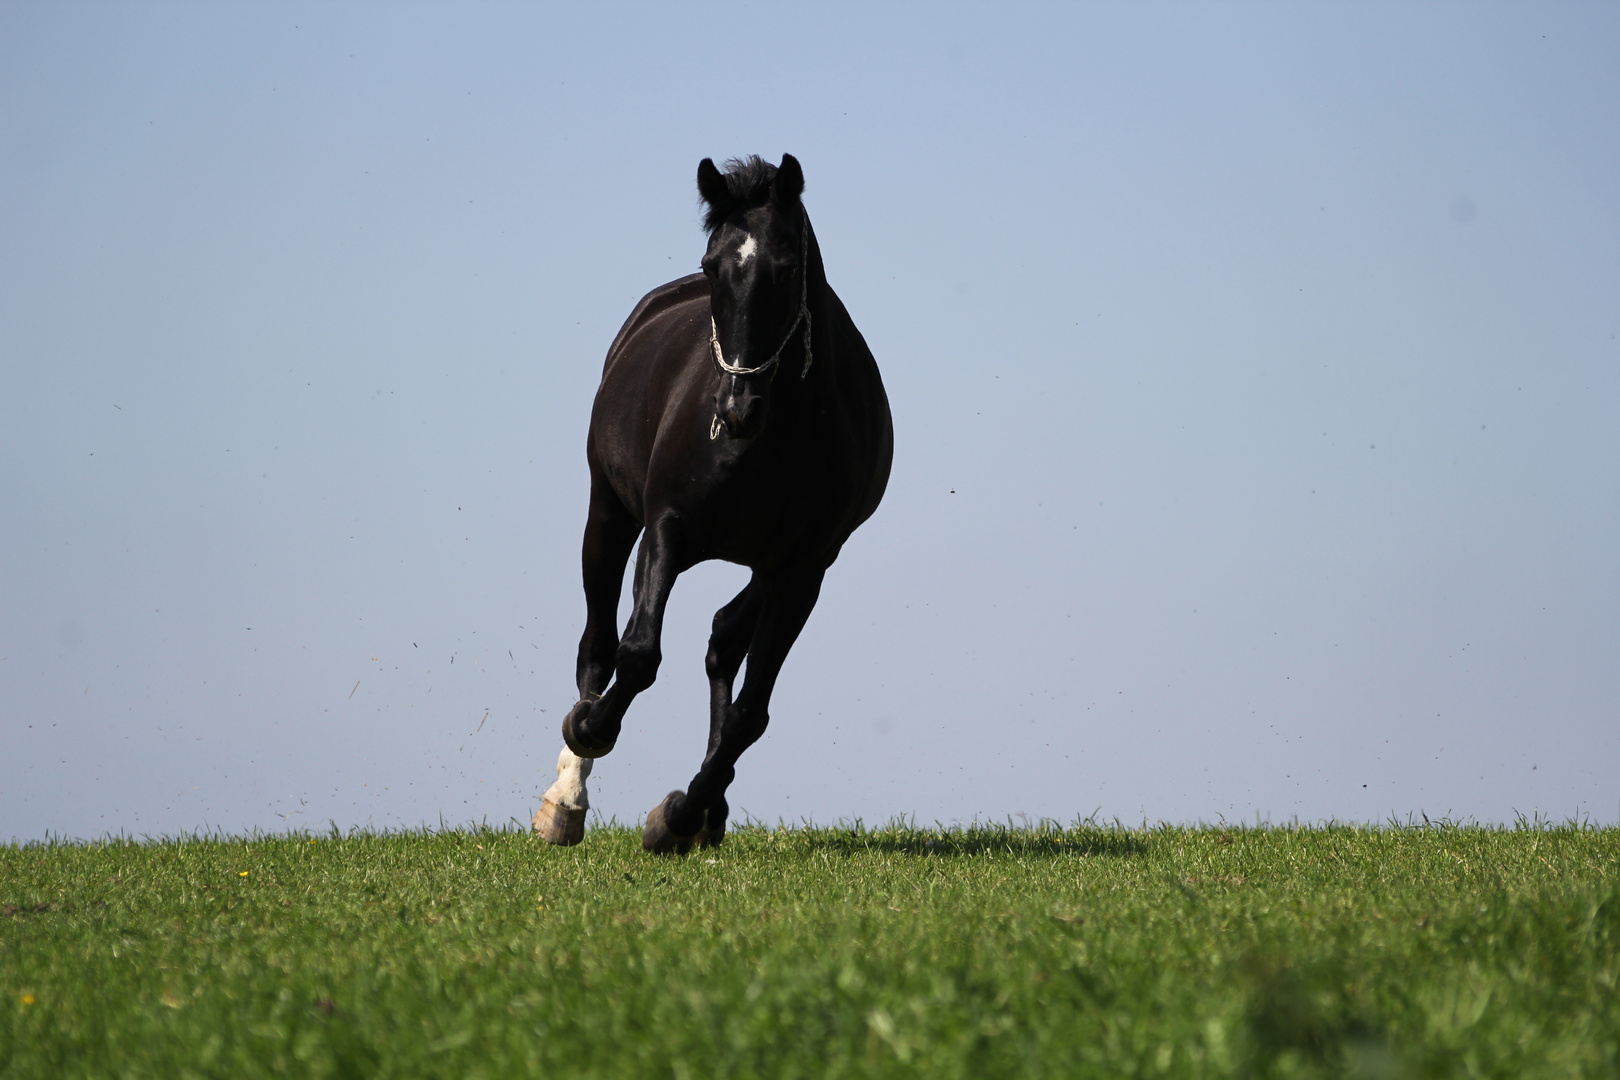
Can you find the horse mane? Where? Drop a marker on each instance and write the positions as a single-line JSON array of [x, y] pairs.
[[748, 180]]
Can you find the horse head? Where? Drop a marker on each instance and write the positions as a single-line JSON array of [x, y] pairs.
[[758, 268]]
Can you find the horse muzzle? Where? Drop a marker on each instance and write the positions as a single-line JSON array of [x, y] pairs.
[[739, 415]]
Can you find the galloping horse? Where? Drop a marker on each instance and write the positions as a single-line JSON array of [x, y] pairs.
[[740, 417]]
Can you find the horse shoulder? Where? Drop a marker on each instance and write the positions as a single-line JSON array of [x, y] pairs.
[[866, 412], [670, 297]]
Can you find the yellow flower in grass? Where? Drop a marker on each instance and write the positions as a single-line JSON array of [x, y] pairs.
[[244, 873], [27, 998]]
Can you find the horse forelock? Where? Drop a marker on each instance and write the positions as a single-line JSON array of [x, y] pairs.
[[748, 183]]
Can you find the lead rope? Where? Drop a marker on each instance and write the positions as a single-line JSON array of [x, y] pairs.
[[803, 317]]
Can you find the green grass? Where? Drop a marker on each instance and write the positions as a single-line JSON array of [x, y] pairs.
[[984, 952]]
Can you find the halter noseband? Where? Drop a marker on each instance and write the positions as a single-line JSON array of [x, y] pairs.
[[802, 318]]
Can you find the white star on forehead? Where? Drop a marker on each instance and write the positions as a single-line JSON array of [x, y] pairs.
[[747, 250]]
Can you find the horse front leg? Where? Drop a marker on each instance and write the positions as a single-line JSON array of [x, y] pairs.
[[610, 534], [561, 817], [698, 815], [592, 726]]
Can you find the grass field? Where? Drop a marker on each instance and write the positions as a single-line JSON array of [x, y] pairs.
[[984, 952]]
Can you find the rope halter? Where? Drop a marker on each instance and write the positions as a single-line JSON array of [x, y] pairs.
[[801, 319]]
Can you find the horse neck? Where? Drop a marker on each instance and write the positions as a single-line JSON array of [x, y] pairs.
[[818, 271], [808, 396], [818, 299]]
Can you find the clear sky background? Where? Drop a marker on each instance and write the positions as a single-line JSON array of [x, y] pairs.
[[1254, 373]]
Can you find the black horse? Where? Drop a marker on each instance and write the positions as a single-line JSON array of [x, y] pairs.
[[740, 417]]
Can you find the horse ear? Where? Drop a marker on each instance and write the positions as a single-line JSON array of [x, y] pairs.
[[789, 183], [712, 185]]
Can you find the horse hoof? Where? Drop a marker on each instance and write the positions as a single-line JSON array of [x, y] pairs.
[[557, 824], [656, 836], [574, 737]]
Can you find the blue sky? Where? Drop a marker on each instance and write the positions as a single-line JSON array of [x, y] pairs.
[[1254, 371]]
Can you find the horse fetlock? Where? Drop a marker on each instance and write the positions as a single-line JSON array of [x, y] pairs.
[[714, 825], [686, 816], [658, 836]]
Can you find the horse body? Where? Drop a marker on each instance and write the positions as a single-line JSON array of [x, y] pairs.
[[766, 459]]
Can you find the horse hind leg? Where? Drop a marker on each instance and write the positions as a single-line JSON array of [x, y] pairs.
[[733, 630], [697, 816], [561, 817], [733, 635]]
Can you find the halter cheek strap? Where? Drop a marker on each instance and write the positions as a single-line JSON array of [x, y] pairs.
[[801, 319]]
